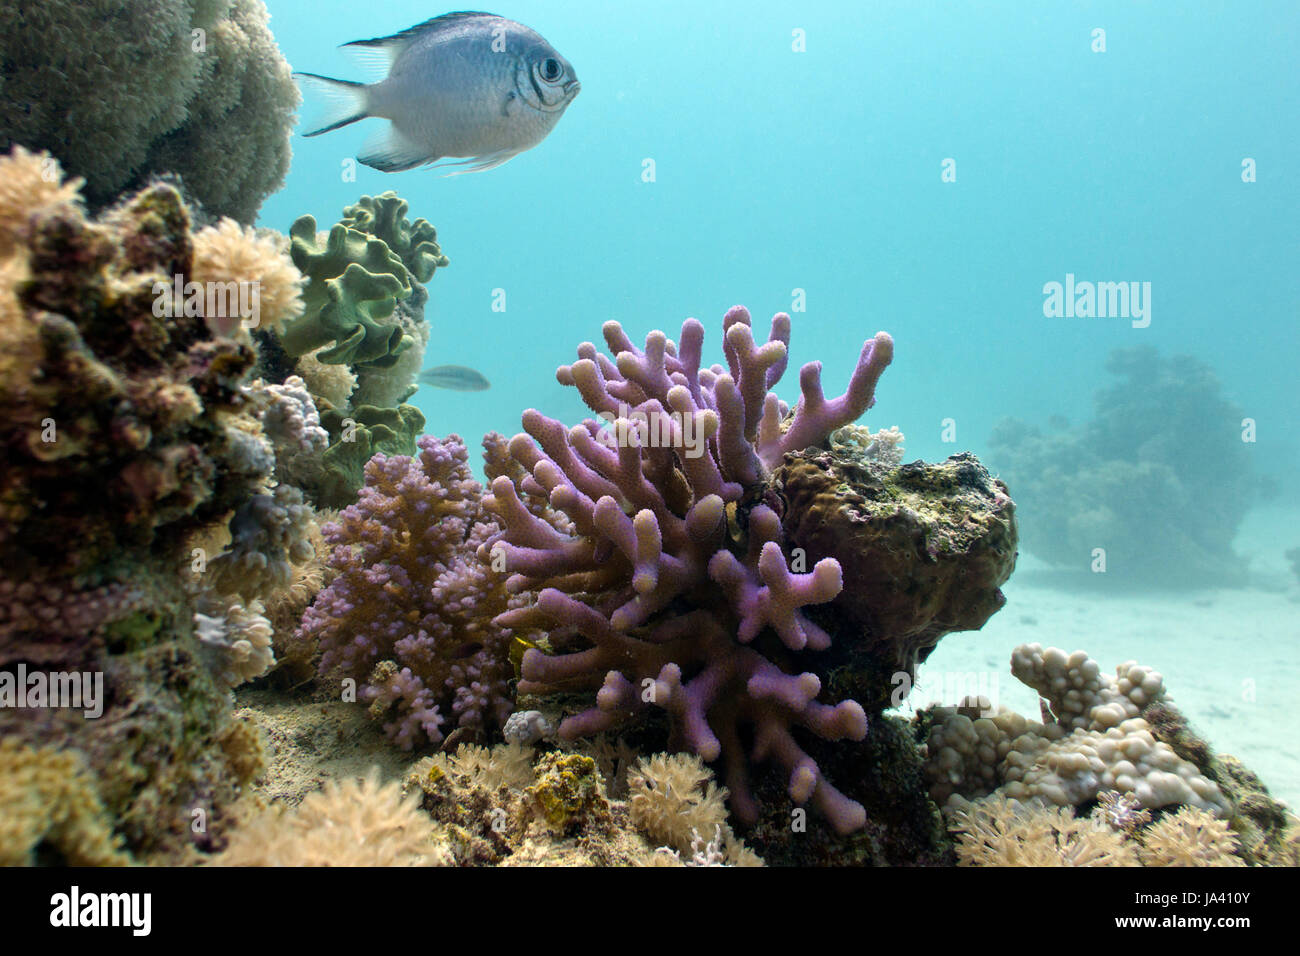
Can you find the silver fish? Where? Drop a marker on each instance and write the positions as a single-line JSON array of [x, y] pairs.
[[455, 377], [469, 85]]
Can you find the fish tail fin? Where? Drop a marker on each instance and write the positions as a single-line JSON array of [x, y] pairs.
[[345, 101]]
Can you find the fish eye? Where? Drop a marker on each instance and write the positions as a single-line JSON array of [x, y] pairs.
[[551, 69]]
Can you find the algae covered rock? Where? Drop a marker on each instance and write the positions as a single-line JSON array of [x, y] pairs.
[[924, 549]]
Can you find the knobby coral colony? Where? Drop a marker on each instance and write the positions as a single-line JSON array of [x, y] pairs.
[[673, 565]]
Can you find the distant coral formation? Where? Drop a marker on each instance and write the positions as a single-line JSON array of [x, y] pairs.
[[123, 90], [1159, 479]]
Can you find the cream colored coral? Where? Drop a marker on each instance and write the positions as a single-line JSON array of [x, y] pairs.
[[1080, 695], [355, 822], [47, 798], [29, 182], [1080, 766], [1000, 832], [236, 637], [1092, 741], [966, 751], [229, 252], [505, 765], [1190, 837], [673, 798], [333, 383]]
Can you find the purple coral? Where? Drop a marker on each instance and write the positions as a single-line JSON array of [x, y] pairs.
[[670, 570], [409, 614]]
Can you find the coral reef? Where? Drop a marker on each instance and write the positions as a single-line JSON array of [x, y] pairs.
[[1190, 837], [127, 429], [509, 806], [673, 800], [1094, 739], [150, 83], [409, 612], [355, 822], [50, 811], [667, 600], [924, 550], [999, 832], [1159, 478]]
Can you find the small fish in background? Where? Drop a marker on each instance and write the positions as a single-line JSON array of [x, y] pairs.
[[471, 85], [458, 378]]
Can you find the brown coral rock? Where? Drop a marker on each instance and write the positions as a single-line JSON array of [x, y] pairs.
[[924, 549]]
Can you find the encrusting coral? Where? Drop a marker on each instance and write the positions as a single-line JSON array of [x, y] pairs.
[[671, 571], [512, 806], [409, 613], [154, 86]]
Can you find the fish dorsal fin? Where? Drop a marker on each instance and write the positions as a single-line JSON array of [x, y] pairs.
[[379, 54]]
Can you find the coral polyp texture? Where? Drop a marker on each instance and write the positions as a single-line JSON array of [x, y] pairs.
[[668, 586], [1094, 740], [124, 90], [409, 612]]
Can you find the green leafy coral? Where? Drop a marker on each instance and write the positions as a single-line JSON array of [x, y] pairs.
[[357, 436], [368, 263], [384, 216]]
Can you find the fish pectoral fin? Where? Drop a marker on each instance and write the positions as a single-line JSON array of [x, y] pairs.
[[391, 152], [476, 164]]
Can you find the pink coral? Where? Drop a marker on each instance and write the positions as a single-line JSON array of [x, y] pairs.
[[672, 568], [409, 612]]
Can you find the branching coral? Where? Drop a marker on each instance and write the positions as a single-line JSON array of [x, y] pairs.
[[668, 601], [409, 613], [151, 83]]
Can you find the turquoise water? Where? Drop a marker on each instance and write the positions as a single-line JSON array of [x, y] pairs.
[[823, 170]]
